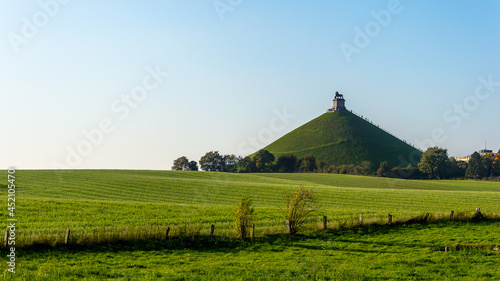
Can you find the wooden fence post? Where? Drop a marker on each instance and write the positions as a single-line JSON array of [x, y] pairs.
[[243, 231], [212, 229], [360, 219], [390, 219], [324, 222], [168, 230], [451, 215], [426, 216], [66, 238], [288, 226], [6, 238]]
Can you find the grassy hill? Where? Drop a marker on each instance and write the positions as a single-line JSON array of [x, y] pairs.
[[344, 138]]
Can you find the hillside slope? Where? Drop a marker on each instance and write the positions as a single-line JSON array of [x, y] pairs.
[[344, 138]]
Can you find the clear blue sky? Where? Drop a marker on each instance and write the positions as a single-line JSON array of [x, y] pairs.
[[237, 71]]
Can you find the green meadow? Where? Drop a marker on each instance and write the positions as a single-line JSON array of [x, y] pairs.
[[118, 221]]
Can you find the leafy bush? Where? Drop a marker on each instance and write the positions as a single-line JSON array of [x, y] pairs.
[[244, 217], [299, 207]]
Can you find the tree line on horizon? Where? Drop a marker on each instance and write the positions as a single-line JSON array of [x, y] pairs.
[[262, 162], [434, 164]]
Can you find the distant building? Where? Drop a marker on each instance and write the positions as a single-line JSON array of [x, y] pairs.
[[484, 151], [481, 152], [465, 159], [338, 103]]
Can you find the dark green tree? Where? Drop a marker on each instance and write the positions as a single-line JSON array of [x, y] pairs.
[[229, 163], [496, 165], [462, 167], [181, 164], [456, 168], [487, 160], [212, 162], [322, 166], [435, 162], [286, 163], [346, 169], [264, 161], [383, 169], [475, 169], [245, 165], [307, 163], [410, 172], [365, 168], [193, 166]]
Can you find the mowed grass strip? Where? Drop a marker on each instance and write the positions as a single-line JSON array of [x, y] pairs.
[[170, 186], [146, 186], [340, 180]]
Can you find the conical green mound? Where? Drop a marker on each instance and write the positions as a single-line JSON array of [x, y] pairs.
[[344, 138]]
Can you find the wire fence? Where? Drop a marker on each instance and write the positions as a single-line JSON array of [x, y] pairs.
[[383, 129]]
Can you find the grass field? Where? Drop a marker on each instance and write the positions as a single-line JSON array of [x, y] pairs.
[[137, 206], [90, 201], [413, 252]]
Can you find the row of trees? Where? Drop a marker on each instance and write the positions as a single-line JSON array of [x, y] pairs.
[[490, 165], [265, 162], [214, 162], [262, 162], [183, 164], [211, 162], [434, 164]]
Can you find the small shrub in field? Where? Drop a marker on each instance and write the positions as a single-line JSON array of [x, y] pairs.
[[244, 217], [299, 207]]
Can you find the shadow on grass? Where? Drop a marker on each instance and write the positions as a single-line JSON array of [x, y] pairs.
[[198, 243], [274, 242]]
